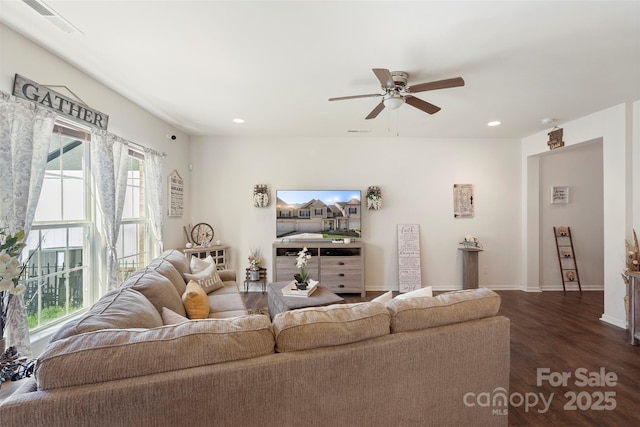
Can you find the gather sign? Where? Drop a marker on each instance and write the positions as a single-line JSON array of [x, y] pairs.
[[32, 91]]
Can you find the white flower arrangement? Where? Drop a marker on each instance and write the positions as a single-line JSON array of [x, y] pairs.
[[301, 263], [471, 241], [374, 198], [260, 196], [10, 271]]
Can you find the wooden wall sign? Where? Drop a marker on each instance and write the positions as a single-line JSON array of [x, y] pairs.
[[176, 194], [555, 139], [409, 274], [463, 201], [32, 91]]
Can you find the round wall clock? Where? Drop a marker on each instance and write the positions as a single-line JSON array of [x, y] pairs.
[[202, 234]]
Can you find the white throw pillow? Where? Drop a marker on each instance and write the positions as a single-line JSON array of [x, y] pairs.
[[387, 296], [422, 292], [199, 264], [207, 278]]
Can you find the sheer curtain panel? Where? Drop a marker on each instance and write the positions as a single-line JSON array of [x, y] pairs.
[[25, 135], [109, 157]]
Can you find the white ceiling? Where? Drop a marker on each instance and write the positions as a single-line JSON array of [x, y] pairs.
[[200, 64]]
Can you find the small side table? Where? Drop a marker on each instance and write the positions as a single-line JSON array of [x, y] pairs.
[[470, 267], [262, 281]]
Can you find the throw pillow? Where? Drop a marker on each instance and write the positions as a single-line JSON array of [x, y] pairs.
[[207, 278], [199, 264], [387, 296], [196, 302], [170, 317], [422, 292]]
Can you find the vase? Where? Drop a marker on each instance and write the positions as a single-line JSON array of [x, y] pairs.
[[302, 286], [254, 272]]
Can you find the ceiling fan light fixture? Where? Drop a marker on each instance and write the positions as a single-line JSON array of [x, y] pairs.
[[393, 101]]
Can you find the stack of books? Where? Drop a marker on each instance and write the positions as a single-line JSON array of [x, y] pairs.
[[292, 291]]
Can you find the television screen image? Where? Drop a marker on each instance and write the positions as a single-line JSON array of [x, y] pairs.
[[318, 214]]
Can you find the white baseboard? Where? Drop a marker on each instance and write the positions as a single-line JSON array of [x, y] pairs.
[[614, 321]]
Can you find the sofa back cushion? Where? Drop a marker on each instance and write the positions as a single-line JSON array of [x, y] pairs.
[[337, 324], [158, 289], [107, 355], [451, 307], [165, 268], [177, 259], [120, 308]]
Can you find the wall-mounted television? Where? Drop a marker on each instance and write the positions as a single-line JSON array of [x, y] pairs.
[[318, 214]]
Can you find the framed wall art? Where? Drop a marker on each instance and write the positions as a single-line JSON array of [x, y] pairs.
[[559, 195], [176, 194]]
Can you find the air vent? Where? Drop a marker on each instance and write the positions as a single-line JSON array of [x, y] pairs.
[[39, 7], [52, 16]]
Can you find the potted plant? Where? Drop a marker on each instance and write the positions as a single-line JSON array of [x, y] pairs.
[[254, 264], [302, 277]]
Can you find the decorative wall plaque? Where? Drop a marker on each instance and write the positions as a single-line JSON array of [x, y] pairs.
[[176, 194], [555, 139]]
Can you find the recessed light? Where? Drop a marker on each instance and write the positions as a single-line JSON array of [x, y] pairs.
[[238, 120], [547, 120], [494, 123]]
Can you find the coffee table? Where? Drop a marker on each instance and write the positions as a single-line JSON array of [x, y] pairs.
[[278, 303]]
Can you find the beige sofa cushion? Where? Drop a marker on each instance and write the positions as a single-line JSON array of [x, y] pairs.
[[158, 289], [225, 302], [451, 307], [120, 308], [337, 324], [108, 355], [168, 270], [177, 259]]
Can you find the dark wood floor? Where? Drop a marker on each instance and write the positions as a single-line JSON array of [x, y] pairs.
[[561, 333]]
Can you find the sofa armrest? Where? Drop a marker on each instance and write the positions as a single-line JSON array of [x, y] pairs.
[[227, 275]]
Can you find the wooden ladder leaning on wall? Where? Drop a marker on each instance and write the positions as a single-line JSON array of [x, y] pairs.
[[566, 256]]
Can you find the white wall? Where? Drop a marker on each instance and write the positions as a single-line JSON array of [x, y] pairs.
[[614, 127], [579, 167], [416, 177], [126, 119]]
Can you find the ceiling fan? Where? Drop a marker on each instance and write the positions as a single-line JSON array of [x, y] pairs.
[[396, 92]]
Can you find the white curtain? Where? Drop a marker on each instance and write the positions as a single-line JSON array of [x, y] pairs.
[[109, 160], [25, 135], [153, 166]]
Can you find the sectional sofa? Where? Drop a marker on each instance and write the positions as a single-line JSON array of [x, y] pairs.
[[135, 359]]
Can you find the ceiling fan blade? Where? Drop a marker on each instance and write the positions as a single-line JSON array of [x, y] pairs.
[[440, 84], [340, 98], [421, 105], [385, 78], [374, 113]]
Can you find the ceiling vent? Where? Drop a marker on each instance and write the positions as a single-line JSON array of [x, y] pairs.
[[52, 16]]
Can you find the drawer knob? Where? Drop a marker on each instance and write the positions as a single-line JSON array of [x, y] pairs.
[[341, 274], [341, 286], [341, 263]]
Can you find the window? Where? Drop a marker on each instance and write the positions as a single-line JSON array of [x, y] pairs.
[[304, 213], [63, 240], [133, 241], [57, 249], [318, 212], [353, 211]]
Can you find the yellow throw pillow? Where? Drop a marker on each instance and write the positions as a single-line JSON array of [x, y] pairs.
[[195, 300]]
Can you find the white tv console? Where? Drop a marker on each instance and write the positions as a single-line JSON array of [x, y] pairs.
[[337, 266]]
